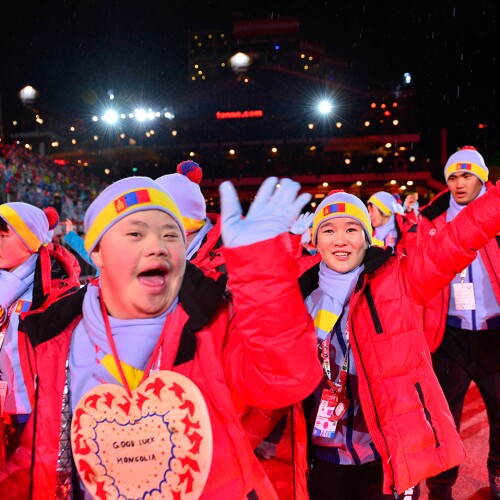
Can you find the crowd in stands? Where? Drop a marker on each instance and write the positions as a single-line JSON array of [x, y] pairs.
[[30, 178]]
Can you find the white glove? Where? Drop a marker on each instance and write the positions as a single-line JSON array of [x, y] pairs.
[[271, 213], [302, 224], [306, 238]]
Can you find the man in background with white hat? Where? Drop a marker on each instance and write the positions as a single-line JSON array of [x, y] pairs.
[[462, 325]]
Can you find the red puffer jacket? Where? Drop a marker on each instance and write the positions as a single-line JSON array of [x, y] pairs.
[[436, 310], [259, 349], [405, 410], [209, 257], [56, 275], [407, 233]]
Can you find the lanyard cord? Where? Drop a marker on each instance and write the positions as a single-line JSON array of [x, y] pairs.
[[325, 355], [111, 341]]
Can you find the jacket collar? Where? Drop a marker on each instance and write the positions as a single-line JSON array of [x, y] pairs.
[[47, 323], [437, 206], [212, 242], [199, 295]]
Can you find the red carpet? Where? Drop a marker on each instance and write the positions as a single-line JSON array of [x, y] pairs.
[[472, 481]]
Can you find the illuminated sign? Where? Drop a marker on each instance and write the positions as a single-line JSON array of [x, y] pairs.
[[226, 115]]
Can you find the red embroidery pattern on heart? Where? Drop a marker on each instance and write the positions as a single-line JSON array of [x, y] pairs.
[[155, 444]]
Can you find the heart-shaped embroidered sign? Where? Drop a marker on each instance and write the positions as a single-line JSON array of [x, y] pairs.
[[155, 444]]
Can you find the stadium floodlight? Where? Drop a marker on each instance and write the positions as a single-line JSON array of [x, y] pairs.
[[240, 62], [325, 107], [28, 94], [140, 115], [110, 116], [151, 115]]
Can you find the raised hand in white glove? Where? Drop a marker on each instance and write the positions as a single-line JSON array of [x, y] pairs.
[[306, 238], [271, 213], [302, 224]]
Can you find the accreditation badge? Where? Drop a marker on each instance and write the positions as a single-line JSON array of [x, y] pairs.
[[464, 296], [331, 409], [154, 443]]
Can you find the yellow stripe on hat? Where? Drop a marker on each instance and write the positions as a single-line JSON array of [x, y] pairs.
[[192, 225], [117, 209], [466, 166], [325, 320], [381, 206], [19, 227], [351, 210], [133, 375]]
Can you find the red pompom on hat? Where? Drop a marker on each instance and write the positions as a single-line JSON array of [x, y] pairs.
[[333, 191], [52, 217], [191, 170]]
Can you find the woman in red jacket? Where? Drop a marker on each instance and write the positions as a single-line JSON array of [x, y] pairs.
[[379, 422]]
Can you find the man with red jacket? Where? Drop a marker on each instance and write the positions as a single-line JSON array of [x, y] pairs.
[[462, 324]]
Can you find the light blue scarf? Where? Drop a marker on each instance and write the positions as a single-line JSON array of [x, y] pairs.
[[454, 208], [135, 340], [326, 303], [389, 228], [14, 283]]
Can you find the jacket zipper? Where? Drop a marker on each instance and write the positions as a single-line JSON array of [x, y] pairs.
[[33, 446], [427, 413], [373, 310]]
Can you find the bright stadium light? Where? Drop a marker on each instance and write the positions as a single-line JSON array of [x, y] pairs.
[[28, 94], [111, 116], [325, 107], [240, 62], [140, 115]]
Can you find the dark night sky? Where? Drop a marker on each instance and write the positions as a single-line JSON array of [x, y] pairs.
[[66, 48]]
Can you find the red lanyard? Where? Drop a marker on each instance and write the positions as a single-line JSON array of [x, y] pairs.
[[325, 355], [111, 341]]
